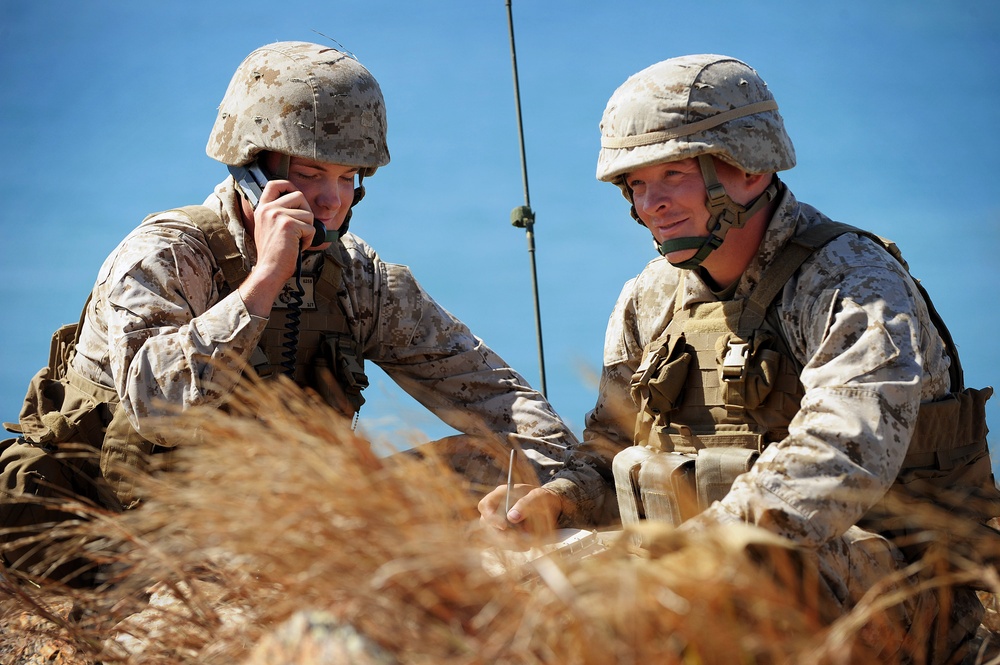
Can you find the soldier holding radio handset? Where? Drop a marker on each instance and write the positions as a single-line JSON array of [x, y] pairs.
[[195, 298], [280, 216], [776, 379]]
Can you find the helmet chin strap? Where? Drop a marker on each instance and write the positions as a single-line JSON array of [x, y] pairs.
[[359, 193], [284, 163], [724, 214]]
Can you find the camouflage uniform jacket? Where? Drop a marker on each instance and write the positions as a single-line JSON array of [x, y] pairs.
[[161, 318], [854, 320]]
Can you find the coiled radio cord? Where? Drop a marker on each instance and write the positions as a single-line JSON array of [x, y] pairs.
[[291, 343]]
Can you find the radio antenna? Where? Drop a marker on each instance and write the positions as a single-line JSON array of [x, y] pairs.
[[523, 217]]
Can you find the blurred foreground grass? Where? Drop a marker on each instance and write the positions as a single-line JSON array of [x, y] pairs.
[[279, 536]]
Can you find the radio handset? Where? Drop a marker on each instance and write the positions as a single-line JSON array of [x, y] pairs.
[[252, 179]]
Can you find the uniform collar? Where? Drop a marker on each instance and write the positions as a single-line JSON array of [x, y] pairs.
[[228, 203]]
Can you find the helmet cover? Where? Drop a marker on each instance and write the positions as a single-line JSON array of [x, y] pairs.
[[690, 106], [302, 100]]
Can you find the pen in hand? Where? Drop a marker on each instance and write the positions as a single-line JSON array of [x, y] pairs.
[[510, 482]]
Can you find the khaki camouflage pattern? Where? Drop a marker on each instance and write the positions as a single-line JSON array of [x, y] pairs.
[[303, 100], [871, 355], [672, 96], [163, 331], [855, 321]]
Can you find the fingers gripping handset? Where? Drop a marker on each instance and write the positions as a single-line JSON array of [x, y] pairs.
[[252, 179]]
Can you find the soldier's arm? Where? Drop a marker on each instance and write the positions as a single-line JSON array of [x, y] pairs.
[[856, 319]]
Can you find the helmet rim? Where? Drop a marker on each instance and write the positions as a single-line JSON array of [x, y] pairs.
[[689, 106], [302, 100]]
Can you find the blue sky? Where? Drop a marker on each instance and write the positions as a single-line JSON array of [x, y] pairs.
[[106, 106]]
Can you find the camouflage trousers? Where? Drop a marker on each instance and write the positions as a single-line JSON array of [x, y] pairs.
[[911, 619]]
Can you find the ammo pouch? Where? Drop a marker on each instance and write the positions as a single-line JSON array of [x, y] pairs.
[[672, 486], [338, 373]]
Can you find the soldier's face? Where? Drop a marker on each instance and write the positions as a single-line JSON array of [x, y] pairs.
[[670, 200], [328, 188]]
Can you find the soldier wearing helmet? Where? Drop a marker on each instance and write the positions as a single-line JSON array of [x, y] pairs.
[[772, 368], [262, 279]]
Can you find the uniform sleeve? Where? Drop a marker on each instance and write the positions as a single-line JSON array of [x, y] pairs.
[[586, 482], [436, 358], [172, 342], [855, 319]]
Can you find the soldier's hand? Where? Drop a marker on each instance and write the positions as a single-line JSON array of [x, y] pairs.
[[533, 510], [282, 226]]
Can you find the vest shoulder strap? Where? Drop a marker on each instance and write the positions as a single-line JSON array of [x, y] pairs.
[[789, 259], [220, 241], [803, 245]]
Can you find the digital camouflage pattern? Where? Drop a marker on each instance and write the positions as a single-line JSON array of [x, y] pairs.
[[690, 106], [855, 321], [302, 100], [162, 329], [165, 328]]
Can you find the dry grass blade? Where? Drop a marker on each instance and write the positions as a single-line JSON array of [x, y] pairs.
[[276, 534]]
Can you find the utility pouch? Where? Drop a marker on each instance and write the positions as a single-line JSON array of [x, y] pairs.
[[717, 468], [671, 486], [56, 458], [755, 378], [948, 466], [52, 411], [339, 373], [657, 383], [64, 419], [748, 370]]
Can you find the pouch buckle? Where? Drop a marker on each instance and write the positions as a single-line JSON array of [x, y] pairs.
[[734, 362]]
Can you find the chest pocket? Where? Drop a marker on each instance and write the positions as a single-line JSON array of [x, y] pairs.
[[708, 383]]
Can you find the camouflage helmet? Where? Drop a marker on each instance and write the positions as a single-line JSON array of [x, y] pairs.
[[302, 100], [690, 106]]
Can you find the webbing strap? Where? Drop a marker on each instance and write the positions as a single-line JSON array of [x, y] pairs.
[[789, 259], [330, 280], [724, 214], [801, 247], [649, 138], [220, 241], [60, 357], [955, 370]]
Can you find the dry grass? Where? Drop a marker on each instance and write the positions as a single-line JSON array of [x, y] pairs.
[[278, 510]]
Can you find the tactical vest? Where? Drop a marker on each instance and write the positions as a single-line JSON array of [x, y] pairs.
[[720, 384]]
